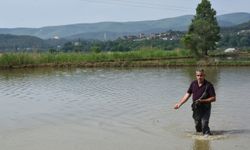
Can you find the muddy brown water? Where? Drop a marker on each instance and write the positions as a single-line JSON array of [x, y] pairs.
[[119, 109]]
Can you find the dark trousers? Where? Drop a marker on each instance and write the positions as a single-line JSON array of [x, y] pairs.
[[201, 115]]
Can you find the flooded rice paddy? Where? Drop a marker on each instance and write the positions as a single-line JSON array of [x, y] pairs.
[[119, 109]]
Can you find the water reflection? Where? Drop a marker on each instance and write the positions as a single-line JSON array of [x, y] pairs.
[[212, 74], [201, 145], [28, 72], [231, 132]]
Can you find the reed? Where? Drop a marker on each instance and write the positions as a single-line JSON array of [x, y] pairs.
[[14, 59], [145, 57]]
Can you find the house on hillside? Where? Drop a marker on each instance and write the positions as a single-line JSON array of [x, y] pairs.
[[231, 50]]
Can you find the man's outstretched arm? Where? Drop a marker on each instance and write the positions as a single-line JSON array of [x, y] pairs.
[[182, 101]]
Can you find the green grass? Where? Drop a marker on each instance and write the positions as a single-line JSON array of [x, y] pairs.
[[132, 58], [16, 59]]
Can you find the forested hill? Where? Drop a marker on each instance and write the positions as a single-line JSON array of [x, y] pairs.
[[237, 36], [26, 43], [177, 23], [112, 30], [237, 28], [233, 19], [15, 42]]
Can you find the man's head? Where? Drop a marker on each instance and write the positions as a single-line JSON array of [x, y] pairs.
[[200, 75]]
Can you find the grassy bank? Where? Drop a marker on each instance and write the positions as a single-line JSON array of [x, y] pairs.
[[110, 59], [29, 59]]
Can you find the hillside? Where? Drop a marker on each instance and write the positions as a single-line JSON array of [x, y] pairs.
[[26, 43], [178, 23], [233, 19], [237, 28], [13, 42], [235, 36], [116, 29]]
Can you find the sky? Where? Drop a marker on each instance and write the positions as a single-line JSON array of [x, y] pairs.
[[40, 13]]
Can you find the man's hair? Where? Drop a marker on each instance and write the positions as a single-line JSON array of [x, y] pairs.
[[200, 70]]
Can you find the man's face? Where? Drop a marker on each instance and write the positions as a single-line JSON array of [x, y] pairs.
[[200, 76]]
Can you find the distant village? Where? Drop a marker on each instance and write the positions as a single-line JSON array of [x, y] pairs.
[[168, 36], [243, 32]]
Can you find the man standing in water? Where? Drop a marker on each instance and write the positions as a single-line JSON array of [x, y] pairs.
[[203, 95]]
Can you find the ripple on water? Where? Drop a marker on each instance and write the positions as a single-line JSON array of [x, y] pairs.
[[115, 100], [219, 134]]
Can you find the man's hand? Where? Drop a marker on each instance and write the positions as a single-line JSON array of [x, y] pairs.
[[182, 101], [198, 101], [177, 106]]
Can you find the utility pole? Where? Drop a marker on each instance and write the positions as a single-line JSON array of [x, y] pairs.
[[105, 36]]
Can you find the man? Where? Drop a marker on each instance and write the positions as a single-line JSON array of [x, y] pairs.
[[203, 95]]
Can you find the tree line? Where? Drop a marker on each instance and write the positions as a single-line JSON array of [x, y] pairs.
[[120, 45]]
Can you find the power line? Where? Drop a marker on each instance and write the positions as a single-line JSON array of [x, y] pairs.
[[138, 4], [156, 4]]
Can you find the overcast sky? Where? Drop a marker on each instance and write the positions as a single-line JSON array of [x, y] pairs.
[[39, 13]]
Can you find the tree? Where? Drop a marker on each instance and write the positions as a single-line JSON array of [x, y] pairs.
[[204, 30]]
